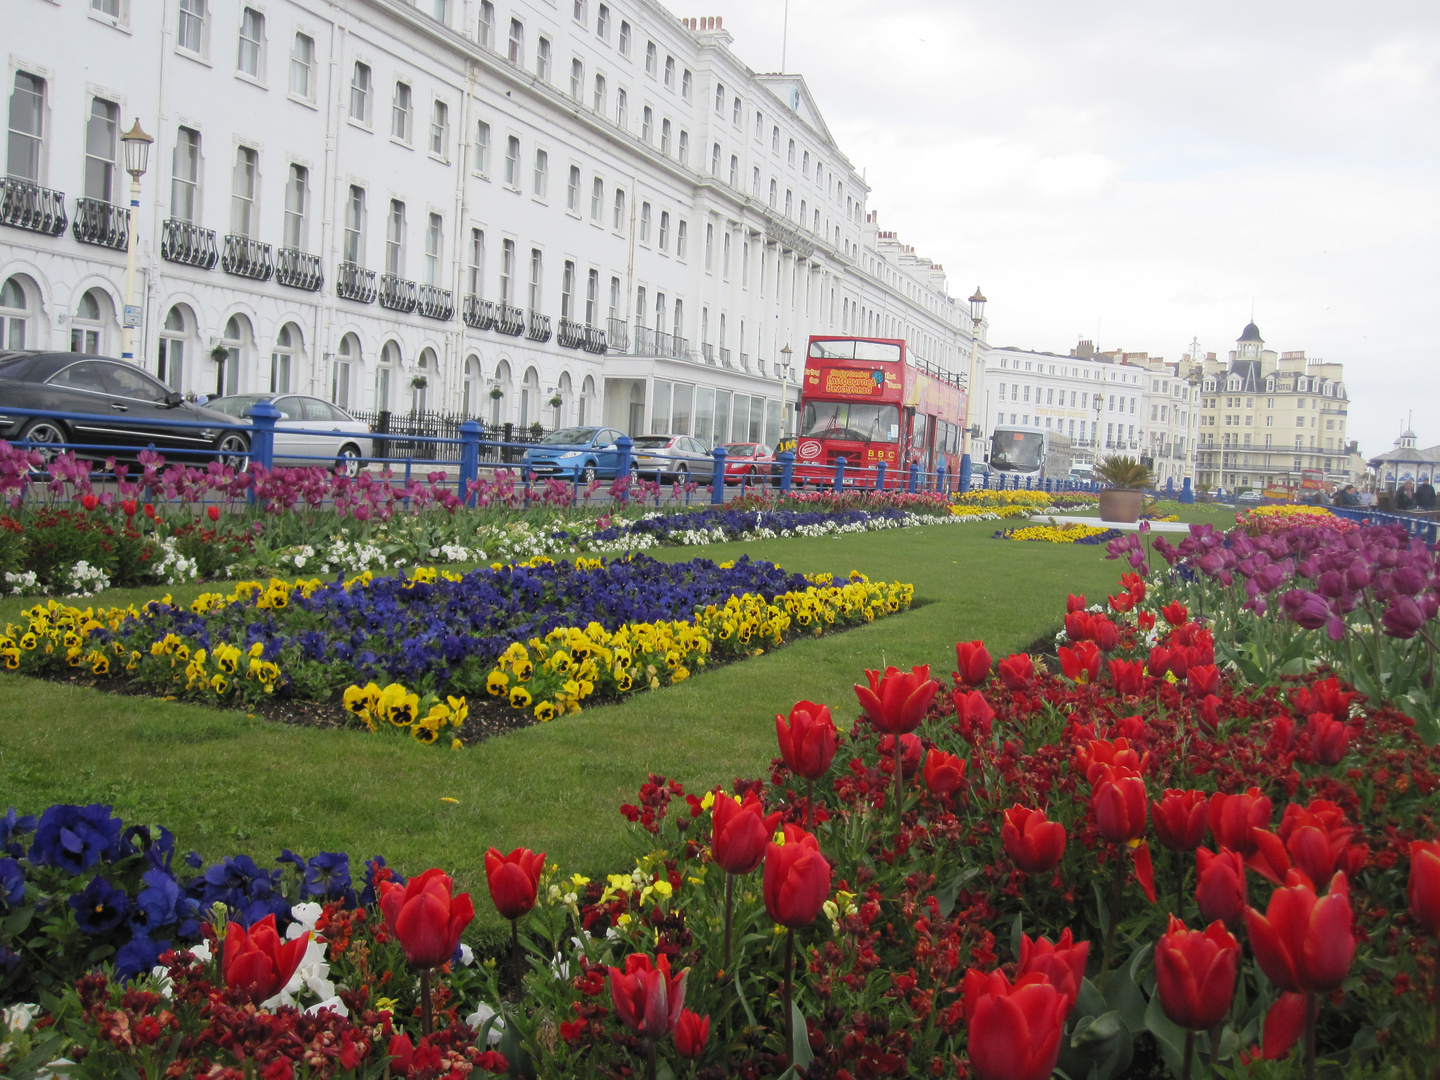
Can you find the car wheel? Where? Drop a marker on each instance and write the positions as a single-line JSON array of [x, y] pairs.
[[587, 474], [233, 451], [349, 460], [634, 473], [45, 432], [682, 474]]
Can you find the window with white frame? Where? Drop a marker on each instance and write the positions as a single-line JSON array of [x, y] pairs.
[[251, 57], [599, 104], [485, 31], [517, 41], [682, 148], [297, 204], [190, 28], [644, 222], [102, 142], [602, 22], [354, 250], [622, 108], [597, 198], [577, 79], [440, 130], [400, 113], [774, 190], [395, 239], [475, 272], [670, 73], [282, 359], [624, 38], [790, 153], [541, 179], [482, 147], [512, 162], [775, 140], [360, 84], [537, 276], [735, 111], [184, 175], [652, 60], [664, 230], [302, 67], [507, 271], [735, 171], [572, 190], [720, 99], [682, 233], [542, 60], [582, 12], [715, 160], [647, 122], [709, 243], [434, 249], [243, 219], [567, 289], [440, 9], [755, 182], [665, 137], [687, 84], [619, 225]]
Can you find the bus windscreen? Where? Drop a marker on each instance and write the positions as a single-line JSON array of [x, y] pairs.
[[1017, 450], [853, 420], [850, 349]]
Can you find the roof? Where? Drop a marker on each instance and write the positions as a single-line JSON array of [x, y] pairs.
[[1408, 454], [1250, 333]]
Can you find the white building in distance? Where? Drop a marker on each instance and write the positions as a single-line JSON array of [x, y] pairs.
[[514, 210]]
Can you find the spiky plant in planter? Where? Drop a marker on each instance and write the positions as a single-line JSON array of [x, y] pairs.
[[1124, 496]]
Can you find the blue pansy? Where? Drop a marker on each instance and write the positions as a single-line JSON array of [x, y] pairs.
[[12, 828], [327, 877], [138, 955], [102, 906], [156, 905], [12, 883], [75, 838]]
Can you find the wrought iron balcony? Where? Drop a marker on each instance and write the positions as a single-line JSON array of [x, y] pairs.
[[680, 347], [744, 361], [245, 257], [397, 293], [618, 334], [644, 341], [708, 352], [478, 313], [594, 340], [182, 242], [724, 357], [29, 206], [509, 320], [354, 282], [539, 329], [436, 303], [571, 334], [298, 270], [102, 223]]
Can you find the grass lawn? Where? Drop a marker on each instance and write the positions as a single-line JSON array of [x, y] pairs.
[[226, 783]]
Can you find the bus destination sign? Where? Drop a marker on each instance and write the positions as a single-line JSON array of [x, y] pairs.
[[852, 383]]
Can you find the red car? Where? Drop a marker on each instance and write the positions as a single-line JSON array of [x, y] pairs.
[[748, 460]]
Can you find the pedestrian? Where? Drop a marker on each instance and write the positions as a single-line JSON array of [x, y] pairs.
[[1425, 496], [1405, 497]]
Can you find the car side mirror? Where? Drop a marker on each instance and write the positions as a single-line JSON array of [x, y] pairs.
[[611, 446], [174, 399]]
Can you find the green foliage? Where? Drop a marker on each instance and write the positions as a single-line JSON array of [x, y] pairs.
[[1125, 473]]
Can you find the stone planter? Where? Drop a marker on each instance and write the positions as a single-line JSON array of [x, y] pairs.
[[1120, 505]]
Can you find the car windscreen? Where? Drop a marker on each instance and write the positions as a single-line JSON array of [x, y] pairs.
[[853, 420], [740, 450], [652, 442], [570, 436], [1016, 450], [236, 406]]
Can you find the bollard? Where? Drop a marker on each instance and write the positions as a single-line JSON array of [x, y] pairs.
[[787, 469], [262, 440], [940, 477], [966, 472], [880, 476], [470, 432], [717, 477], [839, 473], [622, 465], [913, 483]]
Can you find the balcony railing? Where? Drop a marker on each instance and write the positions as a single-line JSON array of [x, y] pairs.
[[724, 357], [594, 340], [539, 329], [245, 257], [436, 303], [182, 242], [663, 345], [509, 320], [570, 334], [397, 293], [478, 313], [298, 270], [102, 223], [354, 282], [29, 206], [644, 341], [618, 334], [708, 352], [744, 361], [680, 347]]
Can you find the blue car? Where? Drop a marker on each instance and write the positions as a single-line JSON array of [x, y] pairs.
[[579, 454]]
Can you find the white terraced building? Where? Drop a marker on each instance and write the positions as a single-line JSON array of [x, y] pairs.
[[459, 206]]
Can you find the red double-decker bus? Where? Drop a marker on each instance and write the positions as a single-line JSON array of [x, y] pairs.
[[870, 400]]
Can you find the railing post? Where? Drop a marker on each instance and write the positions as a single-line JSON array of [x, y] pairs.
[[717, 476], [787, 469], [880, 475], [940, 477], [622, 467], [839, 472], [262, 440], [469, 458], [914, 477], [1187, 493]]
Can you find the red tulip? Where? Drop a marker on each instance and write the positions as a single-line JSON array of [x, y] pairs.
[[1181, 819], [1014, 1029], [1082, 663], [1304, 943], [1312, 839], [1195, 974], [402, 1054], [648, 999], [1210, 714], [1078, 626], [1204, 679], [1329, 738], [973, 714], [1121, 603], [1128, 676], [973, 661], [1074, 603], [1017, 671], [692, 1032], [150, 511], [1158, 663], [1119, 804], [896, 701], [807, 743], [1034, 844], [213, 513], [1284, 1024], [1323, 696], [514, 880], [1282, 736], [741, 831], [1113, 752], [1145, 620], [797, 879], [1063, 963], [89, 502], [1220, 888], [1424, 886], [911, 749], [1105, 634], [1232, 817], [1179, 662], [426, 918], [1174, 613], [944, 772], [258, 961], [129, 506]]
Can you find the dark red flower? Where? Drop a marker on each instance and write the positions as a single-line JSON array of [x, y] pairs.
[[1074, 603], [973, 714], [257, 959], [692, 1032], [1015, 1029], [1329, 739], [427, 919], [1424, 885], [1175, 613], [797, 879], [1304, 943], [807, 742], [514, 880], [1181, 819], [1082, 663], [944, 772], [1203, 679], [1195, 974], [1220, 885], [1105, 633], [1034, 844], [896, 701], [972, 661], [741, 831], [647, 998], [1232, 817], [1017, 671], [911, 751], [1119, 805], [213, 513], [1063, 962], [1128, 676], [89, 502], [1093, 758]]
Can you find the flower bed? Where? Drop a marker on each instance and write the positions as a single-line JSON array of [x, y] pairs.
[[1071, 533], [415, 653], [1001, 875]]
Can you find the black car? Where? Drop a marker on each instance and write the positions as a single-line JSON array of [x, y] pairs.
[[119, 402]]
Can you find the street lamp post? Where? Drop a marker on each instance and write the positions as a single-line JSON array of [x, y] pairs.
[[786, 353], [977, 313], [137, 158]]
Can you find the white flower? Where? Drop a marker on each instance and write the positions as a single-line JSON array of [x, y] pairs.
[[482, 1013], [333, 1003], [18, 1017], [467, 955], [305, 916]]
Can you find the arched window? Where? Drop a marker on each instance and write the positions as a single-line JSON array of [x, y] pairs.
[[530, 398], [470, 404], [389, 361], [585, 405], [231, 355], [14, 313], [87, 328], [282, 359], [499, 391], [174, 341], [347, 355], [563, 391], [426, 369]]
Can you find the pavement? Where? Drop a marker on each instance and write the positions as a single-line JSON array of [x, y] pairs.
[[1128, 526]]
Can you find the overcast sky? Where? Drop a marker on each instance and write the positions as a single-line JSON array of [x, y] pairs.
[[1137, 172]]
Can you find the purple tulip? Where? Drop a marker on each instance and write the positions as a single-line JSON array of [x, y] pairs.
[[1307, 609], [1403, 618]]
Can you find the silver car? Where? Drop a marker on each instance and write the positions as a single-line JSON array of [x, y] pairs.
[[320, 433], [677, 457]]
